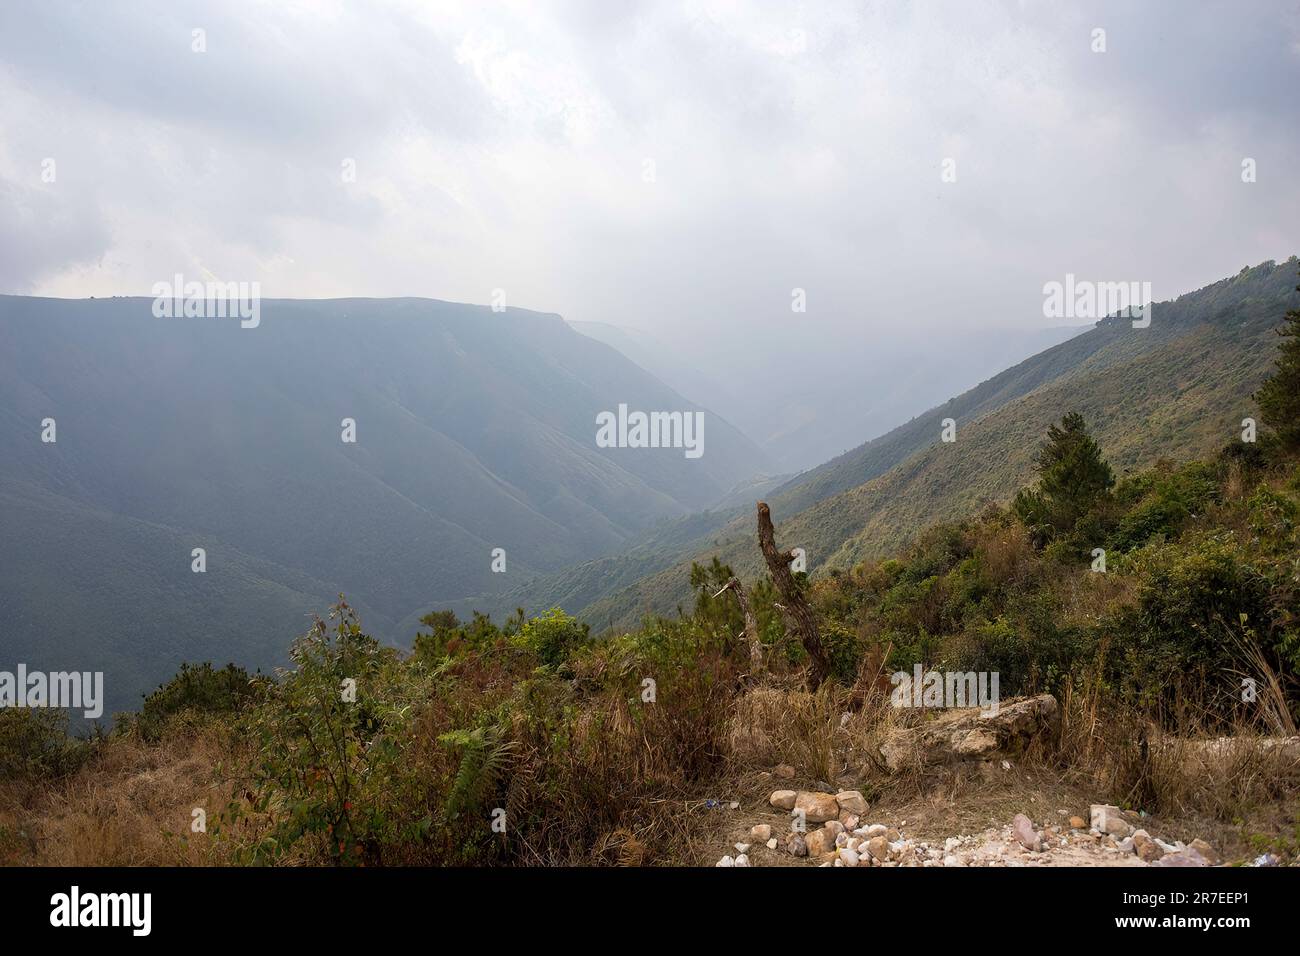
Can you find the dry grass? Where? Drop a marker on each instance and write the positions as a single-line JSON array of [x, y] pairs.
[[131, 805]]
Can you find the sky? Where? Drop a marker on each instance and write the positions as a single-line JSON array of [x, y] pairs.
[[674, 167]]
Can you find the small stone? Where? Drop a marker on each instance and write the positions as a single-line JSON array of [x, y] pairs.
[[1188, 857], [1210, 854], [783, 771], [741, 847], [842, 840], [1147, 849], [874, 830], [742, 860], [892, 835], [849, 857], [761, 833], [783, 799], [850, 820], [951, 860], [878, 847], [1024, 832], [1077, 823], [796, 845], [771, 844], [1107, 819], [725, 861]]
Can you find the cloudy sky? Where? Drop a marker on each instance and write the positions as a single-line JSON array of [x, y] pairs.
[[676, 167]]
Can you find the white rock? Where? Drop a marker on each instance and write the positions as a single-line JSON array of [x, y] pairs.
[[951, 860], [742, 860], [725, 861], [771, 844], [849, 857], [741, 847]]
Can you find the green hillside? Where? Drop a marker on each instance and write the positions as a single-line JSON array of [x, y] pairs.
[[1178, 389]]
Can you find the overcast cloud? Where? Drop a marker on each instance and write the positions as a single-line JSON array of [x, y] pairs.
[[794, 145]]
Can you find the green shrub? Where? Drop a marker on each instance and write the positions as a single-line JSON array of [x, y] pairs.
[[553, 636], [195, 691], [35, 744]]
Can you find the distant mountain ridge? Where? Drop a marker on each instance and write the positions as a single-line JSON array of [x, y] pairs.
[[475, 430]]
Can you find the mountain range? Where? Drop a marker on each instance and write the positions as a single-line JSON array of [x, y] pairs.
[[475, 430]]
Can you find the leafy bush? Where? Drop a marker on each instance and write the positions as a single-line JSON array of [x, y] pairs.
[[195, 691], [553, 637], [34, 743]]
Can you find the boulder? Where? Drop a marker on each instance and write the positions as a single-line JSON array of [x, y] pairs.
[[817, 807], [852, 801], [761, 833], [820, 842], [969, 733], [783, 799]]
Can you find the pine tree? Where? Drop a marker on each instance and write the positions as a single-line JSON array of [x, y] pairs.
[[1072, 477], [1279, 396]]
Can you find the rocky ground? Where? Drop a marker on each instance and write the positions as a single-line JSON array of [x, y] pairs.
[[832, 829], [1008, 815]]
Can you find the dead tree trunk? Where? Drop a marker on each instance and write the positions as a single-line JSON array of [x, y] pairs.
[[751, 624], [798, 613]]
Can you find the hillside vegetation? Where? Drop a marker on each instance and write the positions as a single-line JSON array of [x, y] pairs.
[[533, 742], [1178, 389]]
